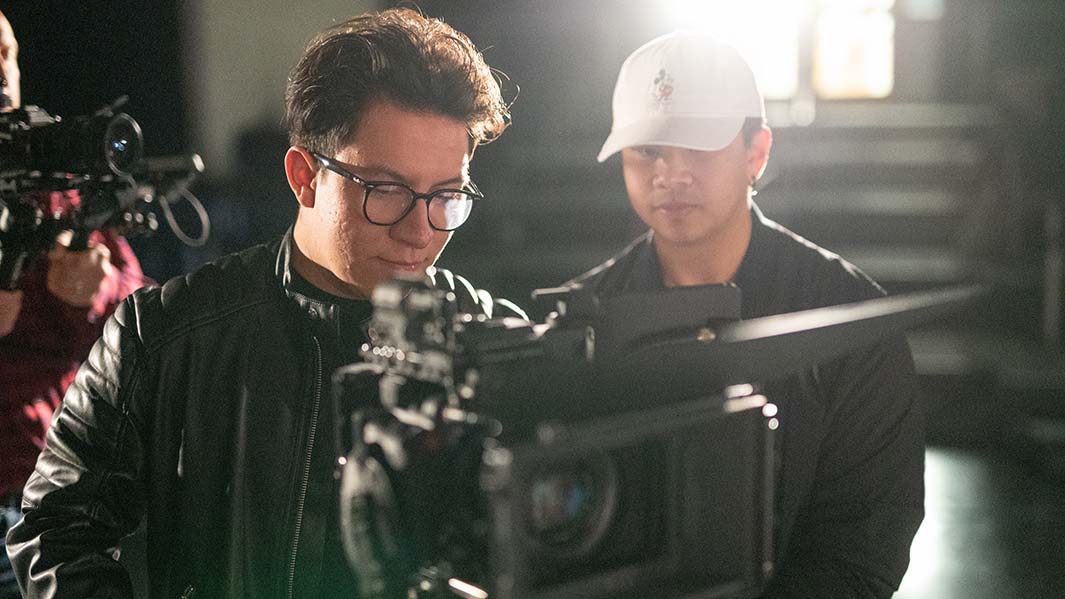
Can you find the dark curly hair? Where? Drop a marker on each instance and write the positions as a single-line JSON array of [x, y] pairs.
[[397, 55]]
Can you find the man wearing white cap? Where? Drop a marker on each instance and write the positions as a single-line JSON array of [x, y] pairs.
[[689, 123]]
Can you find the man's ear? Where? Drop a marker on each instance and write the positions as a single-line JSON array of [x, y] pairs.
[[758, 153], [302, 173]]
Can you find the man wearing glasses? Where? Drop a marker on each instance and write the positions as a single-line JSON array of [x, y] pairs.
[[206, 406]]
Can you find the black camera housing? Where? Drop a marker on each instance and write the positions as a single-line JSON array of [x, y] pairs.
[[687, 508], [502, 457], [103, 143]]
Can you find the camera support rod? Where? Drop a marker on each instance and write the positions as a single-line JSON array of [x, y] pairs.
[[771, 347]]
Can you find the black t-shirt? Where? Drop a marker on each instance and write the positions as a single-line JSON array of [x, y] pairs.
[[340, 335]]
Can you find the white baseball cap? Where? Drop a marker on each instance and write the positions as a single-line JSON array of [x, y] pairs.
[[683, 89]]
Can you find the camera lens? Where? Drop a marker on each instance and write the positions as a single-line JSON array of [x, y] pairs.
[[571, 505], [101, 144], [122, 144]]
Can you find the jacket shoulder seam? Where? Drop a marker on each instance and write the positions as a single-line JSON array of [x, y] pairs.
[[200, 322]]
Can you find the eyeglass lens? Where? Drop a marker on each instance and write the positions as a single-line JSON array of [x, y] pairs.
[[387, 204]]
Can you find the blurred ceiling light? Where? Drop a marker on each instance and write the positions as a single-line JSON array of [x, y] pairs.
[[765, 32]]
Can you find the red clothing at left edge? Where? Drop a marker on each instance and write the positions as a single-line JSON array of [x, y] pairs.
[[41, 355]]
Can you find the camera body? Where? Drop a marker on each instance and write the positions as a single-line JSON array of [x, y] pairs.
[[100, 144], [506, 459], [673, 501], [95, 159]]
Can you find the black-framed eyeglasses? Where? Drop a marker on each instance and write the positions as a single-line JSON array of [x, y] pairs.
[[385, 203]]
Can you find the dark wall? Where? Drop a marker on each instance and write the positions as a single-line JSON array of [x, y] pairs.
[[78, 56]]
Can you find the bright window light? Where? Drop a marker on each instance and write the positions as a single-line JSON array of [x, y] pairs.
[[853, 42], [856, 5], [765, 32], [854, 49]]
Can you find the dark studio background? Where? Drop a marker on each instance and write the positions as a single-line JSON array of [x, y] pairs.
[[955, 177]]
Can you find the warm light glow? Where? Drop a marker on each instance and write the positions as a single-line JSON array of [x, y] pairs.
[[852, 44], [765, 32], [854, 49], [856, 5]]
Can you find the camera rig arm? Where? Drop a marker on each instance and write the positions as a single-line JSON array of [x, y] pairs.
[[29, 226]]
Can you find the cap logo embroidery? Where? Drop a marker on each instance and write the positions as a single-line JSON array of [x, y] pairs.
[[662, 90]]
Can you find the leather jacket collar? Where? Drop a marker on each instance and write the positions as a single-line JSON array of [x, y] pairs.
[[327, 317]]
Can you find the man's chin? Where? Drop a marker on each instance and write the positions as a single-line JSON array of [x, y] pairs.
[[679, 235], [384, 274]]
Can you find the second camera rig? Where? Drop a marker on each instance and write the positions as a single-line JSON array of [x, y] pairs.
[[97, 161]]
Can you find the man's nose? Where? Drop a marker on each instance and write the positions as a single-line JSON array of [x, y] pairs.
[[413, 229], [673, 168]]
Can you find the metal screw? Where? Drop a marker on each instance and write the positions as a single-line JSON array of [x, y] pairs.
[[705, 335]]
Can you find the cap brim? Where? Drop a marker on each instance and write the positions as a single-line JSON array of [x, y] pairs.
[[692, 133]]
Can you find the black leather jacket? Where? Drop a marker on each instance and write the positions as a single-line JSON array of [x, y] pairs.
[[199, 408]]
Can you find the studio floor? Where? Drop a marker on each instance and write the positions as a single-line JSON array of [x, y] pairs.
[[994, 528]]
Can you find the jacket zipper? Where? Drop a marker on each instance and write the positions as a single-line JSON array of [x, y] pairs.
[[302, 499]]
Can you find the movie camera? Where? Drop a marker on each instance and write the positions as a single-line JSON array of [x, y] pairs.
[[98, 156], [595, 455]]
